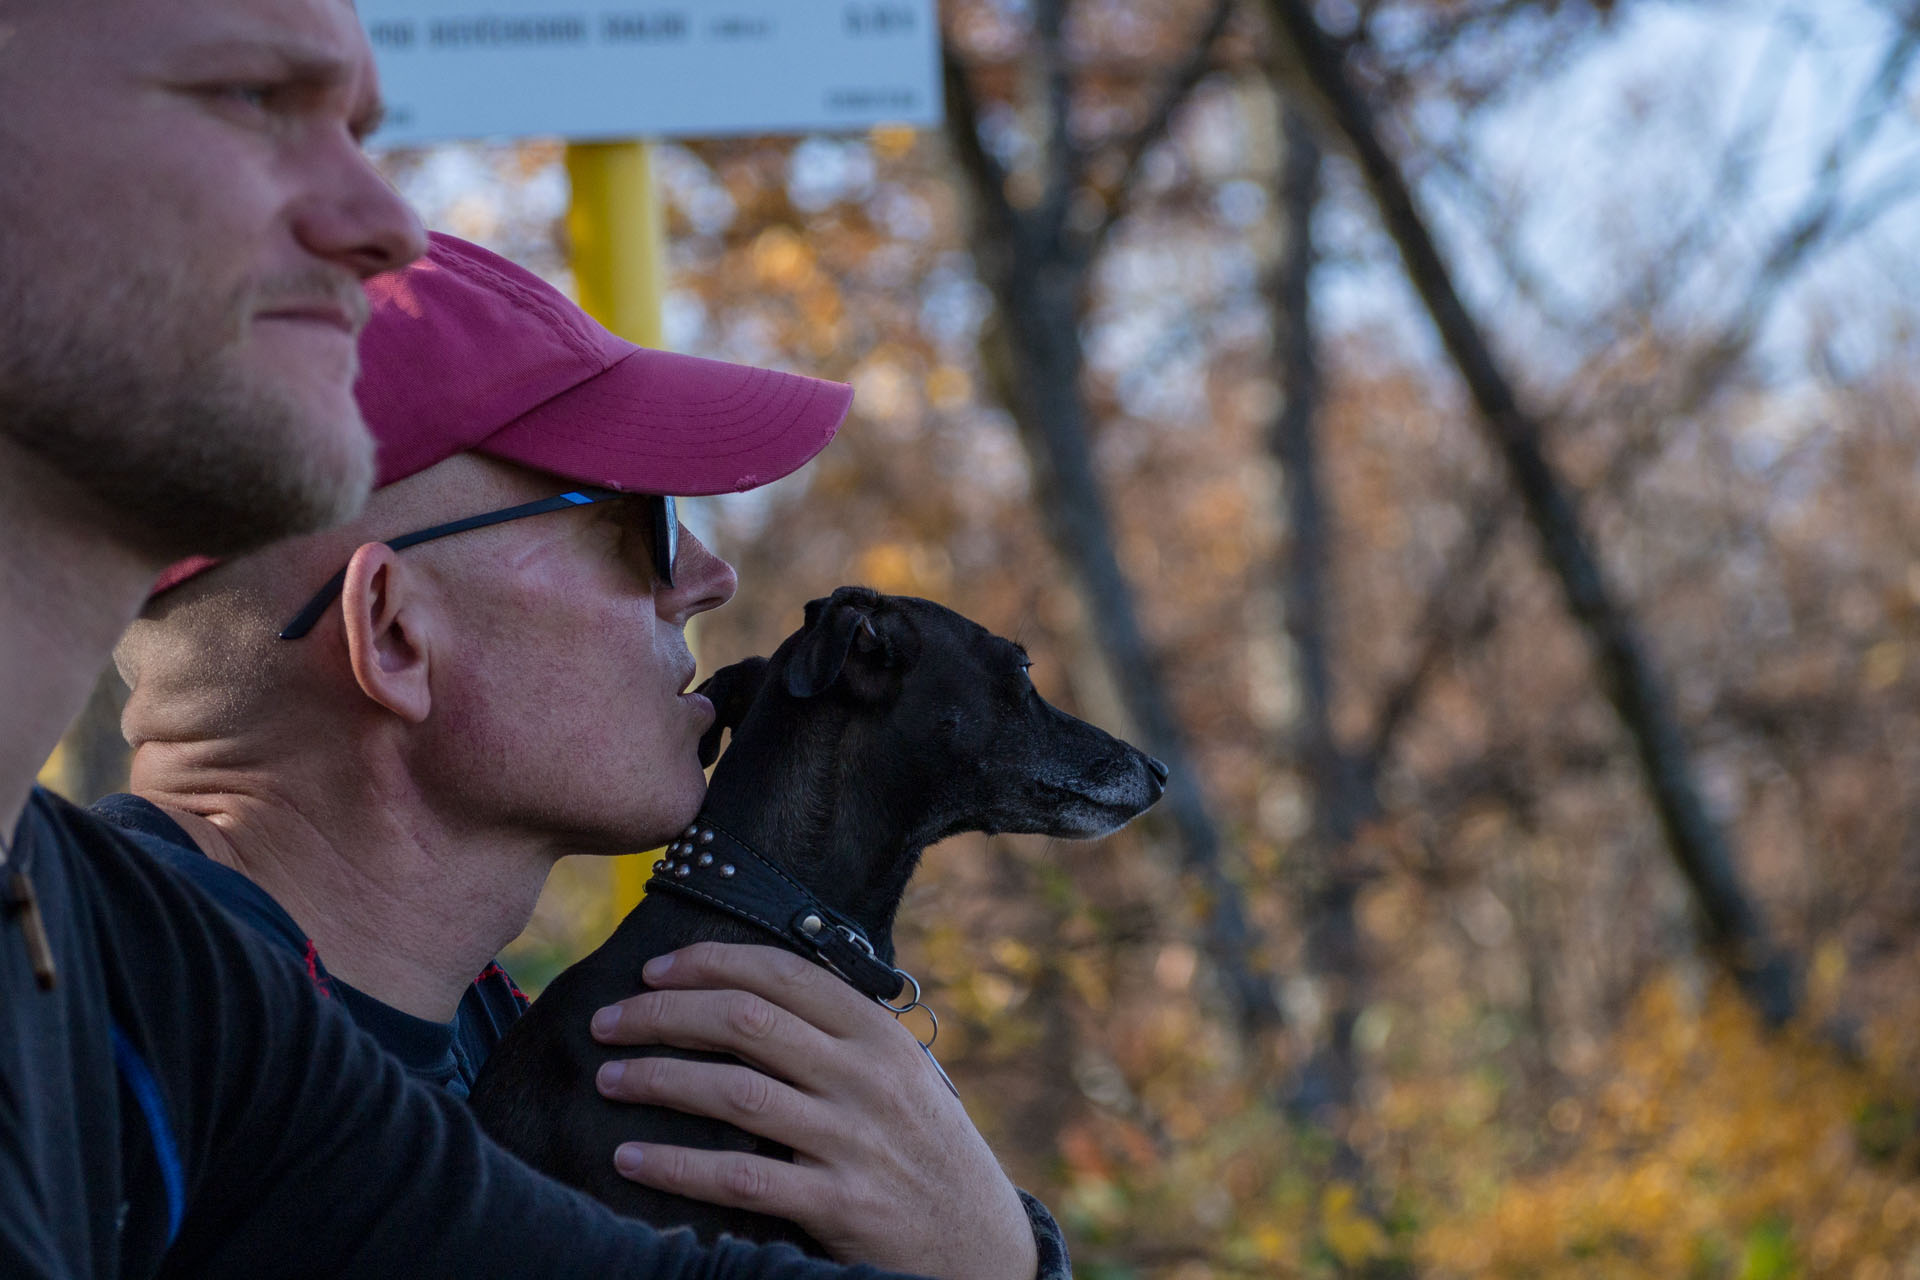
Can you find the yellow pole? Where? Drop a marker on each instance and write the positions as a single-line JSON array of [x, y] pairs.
[[617, 223]]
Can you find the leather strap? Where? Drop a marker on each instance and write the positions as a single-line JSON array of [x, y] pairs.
[[708, 863]]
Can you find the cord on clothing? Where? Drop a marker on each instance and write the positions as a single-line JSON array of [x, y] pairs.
[[22, 905]]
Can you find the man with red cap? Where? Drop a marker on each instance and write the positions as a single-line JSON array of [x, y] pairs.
[[189, 216], [374, 743]]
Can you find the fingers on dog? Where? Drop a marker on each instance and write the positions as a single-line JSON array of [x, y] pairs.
[[729, 1178], [736, 1022], [708, 964], [741, 1096], [791, 981]]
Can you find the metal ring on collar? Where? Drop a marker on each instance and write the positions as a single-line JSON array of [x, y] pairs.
[[902, 1010], [912, 981], [934, 1019]]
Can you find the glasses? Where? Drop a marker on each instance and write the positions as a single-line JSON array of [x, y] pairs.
[[663, 525]]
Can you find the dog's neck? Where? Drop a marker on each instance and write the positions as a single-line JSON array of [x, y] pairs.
[[712, 868], [830, 820], [813, 829]]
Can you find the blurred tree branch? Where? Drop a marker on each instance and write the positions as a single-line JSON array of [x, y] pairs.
[[1735, 928], [1449, 616], [1178, 88], [1818, 221], [1818, 224], [1037, 267], [1326, 1088]]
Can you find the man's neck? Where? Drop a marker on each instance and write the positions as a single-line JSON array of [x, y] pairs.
[[67, 591], [397, 907]]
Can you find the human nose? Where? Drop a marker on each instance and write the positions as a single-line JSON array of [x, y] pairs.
[[701, 581], [350, 215]]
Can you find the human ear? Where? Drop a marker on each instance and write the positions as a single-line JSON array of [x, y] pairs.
[[385, 617]]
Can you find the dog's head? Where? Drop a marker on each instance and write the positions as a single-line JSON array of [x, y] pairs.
[[933, 719]]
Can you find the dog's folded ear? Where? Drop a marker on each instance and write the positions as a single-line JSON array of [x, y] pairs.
[[822, 652], [731, 690], [838, 627]]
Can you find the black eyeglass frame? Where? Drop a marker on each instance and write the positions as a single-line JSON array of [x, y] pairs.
[[664, 542]]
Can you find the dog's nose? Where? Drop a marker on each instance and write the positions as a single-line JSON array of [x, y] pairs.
[[1159, 770]]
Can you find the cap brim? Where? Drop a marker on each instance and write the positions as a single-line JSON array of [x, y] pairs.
[[660, 422]]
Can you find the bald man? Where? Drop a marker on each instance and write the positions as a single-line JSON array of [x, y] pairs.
[[392, 731]]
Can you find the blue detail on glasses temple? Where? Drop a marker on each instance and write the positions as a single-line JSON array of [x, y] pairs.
[[666, 541]]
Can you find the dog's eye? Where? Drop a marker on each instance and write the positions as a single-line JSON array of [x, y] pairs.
[[1016, 680]]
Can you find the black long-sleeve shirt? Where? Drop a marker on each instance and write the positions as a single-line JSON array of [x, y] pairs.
[[445, 1054], [183, 1103]]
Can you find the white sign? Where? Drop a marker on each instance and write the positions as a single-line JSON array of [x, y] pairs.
[[607, 69]]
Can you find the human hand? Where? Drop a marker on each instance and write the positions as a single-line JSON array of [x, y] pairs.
[[887, 1168]]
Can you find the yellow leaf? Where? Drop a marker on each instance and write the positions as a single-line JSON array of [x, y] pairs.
[[1352, 1237]]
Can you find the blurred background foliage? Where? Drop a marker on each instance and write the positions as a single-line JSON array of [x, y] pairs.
[[1414, 977]]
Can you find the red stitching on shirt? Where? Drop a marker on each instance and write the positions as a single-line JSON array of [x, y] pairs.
[[494, 968], [313, 971]]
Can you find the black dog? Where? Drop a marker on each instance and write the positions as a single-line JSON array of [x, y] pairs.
[[884, 724]]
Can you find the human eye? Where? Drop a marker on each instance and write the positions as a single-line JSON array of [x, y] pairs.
[[258, 96], [625, 514], [248, 101], [632, 531], [267, 94]]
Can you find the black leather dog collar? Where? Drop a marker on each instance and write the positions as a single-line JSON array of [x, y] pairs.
[[710, 864]]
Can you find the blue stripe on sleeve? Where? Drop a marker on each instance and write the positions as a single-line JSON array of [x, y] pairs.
[[146, 1091]]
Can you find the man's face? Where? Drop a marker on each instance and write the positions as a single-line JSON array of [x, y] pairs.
[[562, 707], [188, 216]]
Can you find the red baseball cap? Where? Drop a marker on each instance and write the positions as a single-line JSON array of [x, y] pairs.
[[466, 352]]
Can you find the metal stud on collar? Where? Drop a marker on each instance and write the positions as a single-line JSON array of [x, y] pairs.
[[681, 860]]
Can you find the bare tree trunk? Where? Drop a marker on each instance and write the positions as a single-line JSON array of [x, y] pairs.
[[1037, 349], [1324, 1089], [1734, 926], [1038, 271]]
